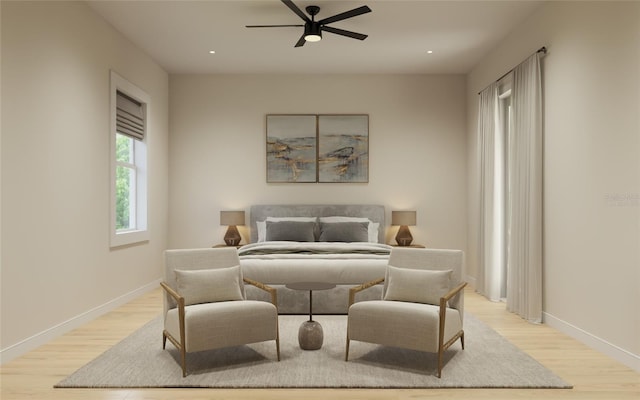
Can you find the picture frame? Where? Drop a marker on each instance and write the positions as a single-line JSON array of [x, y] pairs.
[[343, 148], [291, 148], [323, 148]]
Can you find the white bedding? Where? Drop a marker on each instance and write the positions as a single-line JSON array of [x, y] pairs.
[[305, 250], [335, 262]]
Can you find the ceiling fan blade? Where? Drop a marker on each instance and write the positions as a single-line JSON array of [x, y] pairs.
[[347, 14], [270, 26], [301, 41], [342, 32], [296, 10]]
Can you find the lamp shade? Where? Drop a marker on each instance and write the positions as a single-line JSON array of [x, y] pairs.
[[407, 218], [231, 218]]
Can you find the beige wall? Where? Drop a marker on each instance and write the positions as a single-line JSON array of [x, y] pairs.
[[417, 149], [56, 263], [591, 166]]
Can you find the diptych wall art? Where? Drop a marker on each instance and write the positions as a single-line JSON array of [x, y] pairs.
[[343, 148], [318, 148], [291, 148]]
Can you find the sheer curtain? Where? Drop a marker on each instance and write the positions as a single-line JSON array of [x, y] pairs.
[[524, 254], [510, 184], [490, 235]]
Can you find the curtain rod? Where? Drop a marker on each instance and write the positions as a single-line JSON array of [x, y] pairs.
[[542, 49]]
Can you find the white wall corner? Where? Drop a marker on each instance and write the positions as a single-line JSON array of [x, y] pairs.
[[621, 355], [471, 280], [47, 335]]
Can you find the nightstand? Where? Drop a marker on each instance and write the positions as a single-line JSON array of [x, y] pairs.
[[224, 245], [415, 246]]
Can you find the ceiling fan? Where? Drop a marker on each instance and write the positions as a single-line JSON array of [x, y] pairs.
[[313, 29]]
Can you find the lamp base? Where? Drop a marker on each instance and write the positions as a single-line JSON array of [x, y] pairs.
[[404, 238], [232, 237]]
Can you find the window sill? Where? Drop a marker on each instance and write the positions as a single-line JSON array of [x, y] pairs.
[[129, 238]]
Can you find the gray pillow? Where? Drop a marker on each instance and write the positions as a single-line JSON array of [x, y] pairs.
[[344, 232], [417, 285], [293, 231]]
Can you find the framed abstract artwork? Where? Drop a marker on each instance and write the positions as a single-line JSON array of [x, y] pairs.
[[291, 148], [325, 148], [343, 148]]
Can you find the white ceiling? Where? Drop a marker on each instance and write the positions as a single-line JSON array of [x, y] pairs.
[[179, 34]]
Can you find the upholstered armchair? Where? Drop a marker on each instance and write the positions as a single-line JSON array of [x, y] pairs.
[[422, 303], [205, 305]]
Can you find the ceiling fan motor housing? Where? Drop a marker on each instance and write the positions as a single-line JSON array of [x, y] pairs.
[[312, 31]]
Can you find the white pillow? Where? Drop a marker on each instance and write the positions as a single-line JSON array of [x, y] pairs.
[[373, 226], [209, 285], [261, 226], [417, 285]]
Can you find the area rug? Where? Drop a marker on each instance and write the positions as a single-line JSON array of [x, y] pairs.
[[488, 361]]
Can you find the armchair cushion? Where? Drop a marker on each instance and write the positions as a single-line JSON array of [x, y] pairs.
[[223, 324], [417, 286], [401, 324], [209, 285]]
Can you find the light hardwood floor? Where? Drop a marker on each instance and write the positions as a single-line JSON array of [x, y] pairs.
[[594, 375]]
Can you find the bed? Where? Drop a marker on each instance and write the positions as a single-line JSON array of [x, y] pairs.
[[340, 244]]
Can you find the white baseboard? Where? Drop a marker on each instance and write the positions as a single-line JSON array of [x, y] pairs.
[[621, 355], [47, 335]]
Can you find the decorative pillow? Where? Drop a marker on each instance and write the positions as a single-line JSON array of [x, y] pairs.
[[293, 231], [373, 226], [344, 232], [417, 285], [261, 226], [209, 285], [373, 232]]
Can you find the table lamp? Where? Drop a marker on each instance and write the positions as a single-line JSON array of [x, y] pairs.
[[231, 219], [404, 219]]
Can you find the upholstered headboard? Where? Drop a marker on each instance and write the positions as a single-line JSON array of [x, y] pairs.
[[260, 212]]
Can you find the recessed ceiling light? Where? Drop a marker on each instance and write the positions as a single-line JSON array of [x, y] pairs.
[[212, 52], [429, 51]]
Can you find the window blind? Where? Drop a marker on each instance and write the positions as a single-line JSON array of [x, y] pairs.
[[130, 118]]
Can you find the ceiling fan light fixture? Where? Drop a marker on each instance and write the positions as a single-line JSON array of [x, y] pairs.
[[313, 38], [312, 32]]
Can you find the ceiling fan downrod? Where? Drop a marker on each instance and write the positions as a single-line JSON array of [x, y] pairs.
[[312, 31]]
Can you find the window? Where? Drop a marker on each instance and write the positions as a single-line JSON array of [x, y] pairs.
[[129, 173], [501, 184]]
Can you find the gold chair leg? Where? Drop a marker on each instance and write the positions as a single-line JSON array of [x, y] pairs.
[[180, 347], [346, 355], [440, 362], [183, 359]]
